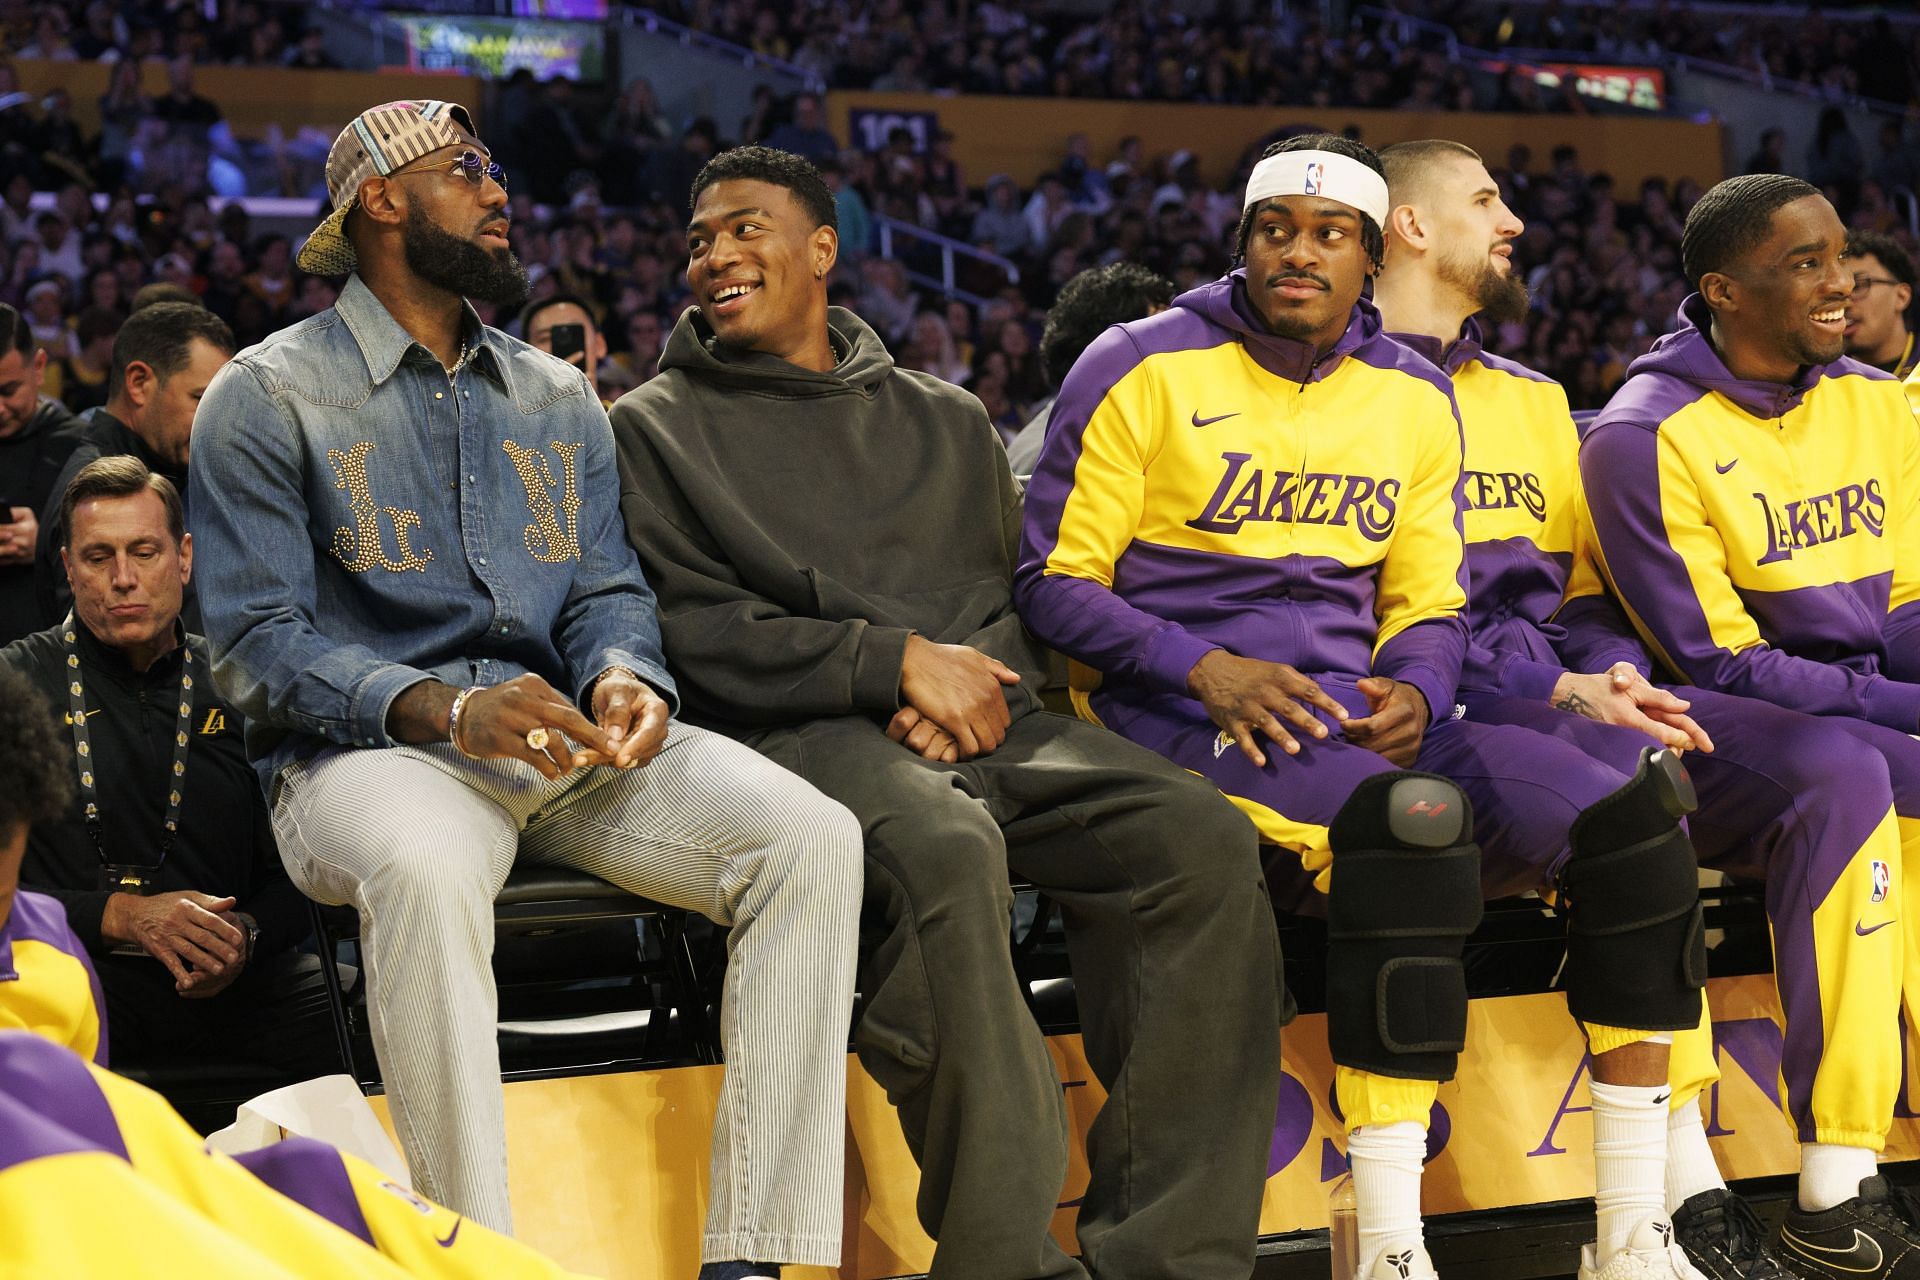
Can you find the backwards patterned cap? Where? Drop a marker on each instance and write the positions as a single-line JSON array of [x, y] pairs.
[[380, 141]]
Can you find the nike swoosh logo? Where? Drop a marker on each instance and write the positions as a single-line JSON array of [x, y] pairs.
[[1199, 421], [1662, 1099], [448, 1242], [1859, 927], [1840, 1259], [1723, 468]]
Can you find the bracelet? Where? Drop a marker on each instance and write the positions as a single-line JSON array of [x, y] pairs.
[[609, 671], [453, 720]]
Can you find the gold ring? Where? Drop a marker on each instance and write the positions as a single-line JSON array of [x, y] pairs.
[[537, 738]]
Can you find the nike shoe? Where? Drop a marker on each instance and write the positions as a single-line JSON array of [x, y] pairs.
[[1651, 1254], [1865, 1236], [1724, 1240], [1401, 1264]]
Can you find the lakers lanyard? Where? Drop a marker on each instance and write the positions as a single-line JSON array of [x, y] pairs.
[[83, 748]]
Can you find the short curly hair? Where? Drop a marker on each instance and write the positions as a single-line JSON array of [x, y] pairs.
[[1090, 303], [36, 781], [772, 165]]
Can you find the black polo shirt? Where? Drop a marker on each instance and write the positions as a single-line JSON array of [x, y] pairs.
[[225, 845]]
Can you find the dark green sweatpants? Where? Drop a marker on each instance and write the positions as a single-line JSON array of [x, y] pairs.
[[1176, 965]]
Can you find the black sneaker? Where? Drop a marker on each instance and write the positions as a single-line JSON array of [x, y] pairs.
[[1724, 1240], [1865, 1236]]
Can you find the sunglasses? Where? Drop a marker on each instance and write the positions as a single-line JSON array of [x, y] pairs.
[[471, 165]]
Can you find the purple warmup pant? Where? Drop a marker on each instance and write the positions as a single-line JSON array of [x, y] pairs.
[[1526, 788], [1802, 803]]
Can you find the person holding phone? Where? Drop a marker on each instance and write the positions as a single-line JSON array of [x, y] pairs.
[[562, 325]]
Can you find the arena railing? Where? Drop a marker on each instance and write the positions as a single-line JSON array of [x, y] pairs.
[[648, 20], [921, 246]]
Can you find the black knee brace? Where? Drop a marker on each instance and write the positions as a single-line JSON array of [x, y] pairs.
[[1404, 897], [1636, 941]]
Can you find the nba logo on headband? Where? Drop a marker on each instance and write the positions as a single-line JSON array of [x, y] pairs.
[[1326, 174]]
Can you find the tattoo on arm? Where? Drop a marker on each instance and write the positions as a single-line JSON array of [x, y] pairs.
[[1578, 705]]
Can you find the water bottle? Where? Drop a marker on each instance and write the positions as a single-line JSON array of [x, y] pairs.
[[1343, 1229]]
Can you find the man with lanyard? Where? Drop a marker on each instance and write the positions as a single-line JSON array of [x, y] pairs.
[[33, 448], [164, 357], [1755, 506], [1784, 797], [1243, 526], [420, 594], [165, 860], [1877, 331], [75, 1137]]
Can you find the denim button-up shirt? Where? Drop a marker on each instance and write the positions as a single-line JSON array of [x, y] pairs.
[[362, 521]]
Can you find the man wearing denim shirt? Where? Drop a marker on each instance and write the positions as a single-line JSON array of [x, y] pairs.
[[415, 579]]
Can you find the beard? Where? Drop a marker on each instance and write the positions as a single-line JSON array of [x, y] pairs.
[[1809, 349], [1500, 295], [459, 266]]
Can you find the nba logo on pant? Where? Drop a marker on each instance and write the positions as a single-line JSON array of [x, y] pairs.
[[1882, 880]]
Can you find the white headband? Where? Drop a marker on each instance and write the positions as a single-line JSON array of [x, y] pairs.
[[1320, 173]]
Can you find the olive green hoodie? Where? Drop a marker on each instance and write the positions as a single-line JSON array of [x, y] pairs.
[[798, 526]]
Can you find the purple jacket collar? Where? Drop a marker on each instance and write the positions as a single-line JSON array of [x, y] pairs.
[[1449, 357], [1688, 354], [1225, 303]]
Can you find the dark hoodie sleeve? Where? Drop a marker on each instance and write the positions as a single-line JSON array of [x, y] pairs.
[[736, 653]]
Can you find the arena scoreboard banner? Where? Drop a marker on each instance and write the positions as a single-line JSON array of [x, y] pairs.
[[497, 47], [609, 1172], [1644, 88]]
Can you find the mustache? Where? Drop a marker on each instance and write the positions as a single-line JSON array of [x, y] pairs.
[[1298, 277]]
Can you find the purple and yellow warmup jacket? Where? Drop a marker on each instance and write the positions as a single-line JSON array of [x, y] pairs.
[[1205, 484], [1764, 537], [100, 1177], [1526, 552], [47, 984]]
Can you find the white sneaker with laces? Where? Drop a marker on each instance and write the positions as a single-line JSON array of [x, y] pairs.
[[1398, 1263], [1650, 1255]]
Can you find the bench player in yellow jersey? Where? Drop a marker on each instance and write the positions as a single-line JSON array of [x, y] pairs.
[[1755, 504], [1784, 797]]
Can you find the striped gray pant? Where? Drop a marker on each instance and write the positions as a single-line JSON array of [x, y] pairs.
[[420, 839]]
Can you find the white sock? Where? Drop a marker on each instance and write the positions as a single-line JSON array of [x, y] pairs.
[[1691, 1168], [1629, 1160], [1386, 1160], [1830, 1175]]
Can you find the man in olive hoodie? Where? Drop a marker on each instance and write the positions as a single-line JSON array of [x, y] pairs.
[[832, 540]]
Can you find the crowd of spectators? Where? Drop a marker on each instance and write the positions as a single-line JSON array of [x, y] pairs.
[[1839, 52], [600, 180], [1223, 52], [1244, 54], [237, 32], [1603, 262]]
